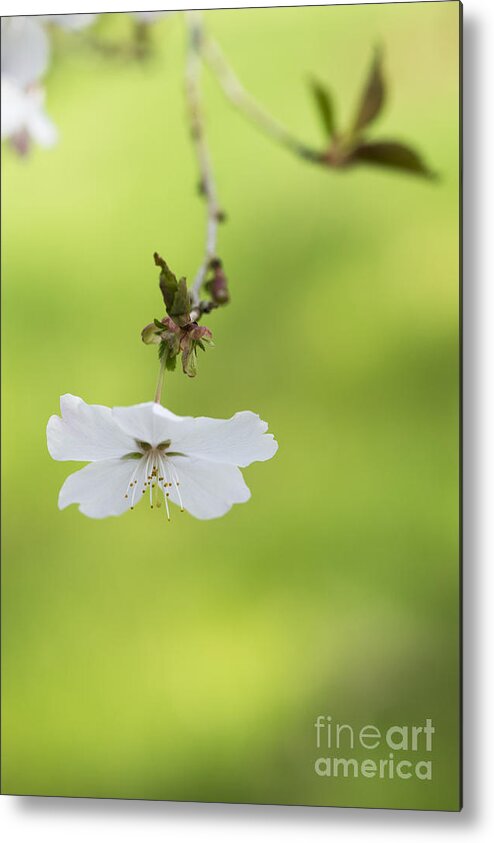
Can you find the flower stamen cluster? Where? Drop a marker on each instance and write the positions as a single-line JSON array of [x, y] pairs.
[[159, 475]]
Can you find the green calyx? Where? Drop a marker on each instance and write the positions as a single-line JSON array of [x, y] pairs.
[[178, 334]]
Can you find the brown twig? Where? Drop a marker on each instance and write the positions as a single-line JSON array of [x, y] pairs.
[[207, 184], [245, 102]]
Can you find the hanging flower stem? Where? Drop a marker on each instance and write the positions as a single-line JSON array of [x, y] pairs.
[[161, 377], [196, 118]]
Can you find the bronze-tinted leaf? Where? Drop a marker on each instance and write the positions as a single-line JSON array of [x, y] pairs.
[[398, 156], [325, 107], [373, 96]]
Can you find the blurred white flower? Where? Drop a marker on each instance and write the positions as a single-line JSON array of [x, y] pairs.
[[23, 117], [70, 22], [149, 17], [192, 462], [24, 61], [25, 50]]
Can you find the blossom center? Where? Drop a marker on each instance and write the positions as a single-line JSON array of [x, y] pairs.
[[162, 447], [154, 472]]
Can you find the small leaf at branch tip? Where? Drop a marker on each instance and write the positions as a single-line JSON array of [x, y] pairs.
[[373, 95], [324, 104], [392, 154], [175, 293], [158, 260], [179, 309]]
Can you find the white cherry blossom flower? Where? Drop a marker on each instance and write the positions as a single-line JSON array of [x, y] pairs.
[[149, 17], [23, 117], [25, 50], [25, 57], [71, 22], [191, 462]]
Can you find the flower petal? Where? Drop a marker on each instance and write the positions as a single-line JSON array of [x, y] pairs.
[[25, 49], [40, 127], [236, 441], [86, 432], [14, 108], [148, 422], [100, 487], [71, 22], [149, 17], [208, 490]]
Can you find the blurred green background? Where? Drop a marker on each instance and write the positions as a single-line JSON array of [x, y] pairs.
[[188, 661]]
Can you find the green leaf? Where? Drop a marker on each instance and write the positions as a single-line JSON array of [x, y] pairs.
[[372, 97], [163, 351], [159, 324], [179, 309], [168, 284], [397, 156], [325, 107], [149, 334], [171, 362]]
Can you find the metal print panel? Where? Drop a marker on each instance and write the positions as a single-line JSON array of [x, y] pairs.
[[231, 374]]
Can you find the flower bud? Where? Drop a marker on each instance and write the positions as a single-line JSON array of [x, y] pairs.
[[217, 285]]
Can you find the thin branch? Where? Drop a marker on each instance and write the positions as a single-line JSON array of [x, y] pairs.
[[245, 102], [207, 183]]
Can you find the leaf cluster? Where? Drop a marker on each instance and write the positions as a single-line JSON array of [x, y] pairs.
[[352, 147]]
